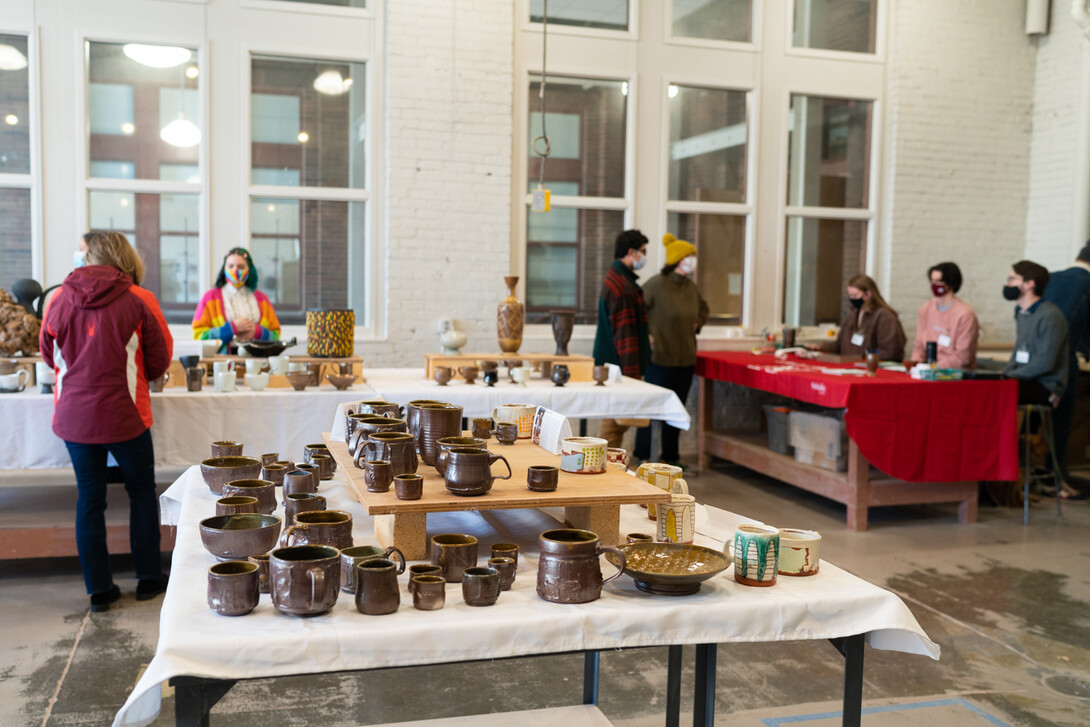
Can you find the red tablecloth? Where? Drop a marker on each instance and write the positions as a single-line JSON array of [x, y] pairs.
[[918, 431]]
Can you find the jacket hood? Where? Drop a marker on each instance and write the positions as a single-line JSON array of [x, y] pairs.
[[96, 286]]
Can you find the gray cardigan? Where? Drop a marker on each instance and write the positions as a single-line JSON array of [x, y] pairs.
[[1042, 332]]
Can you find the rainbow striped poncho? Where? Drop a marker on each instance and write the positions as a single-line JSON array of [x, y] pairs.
[[210, 322]]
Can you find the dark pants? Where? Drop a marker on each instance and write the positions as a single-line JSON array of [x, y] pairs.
[[1065, 413], [136, 460], [1031, 392], [678, 379]]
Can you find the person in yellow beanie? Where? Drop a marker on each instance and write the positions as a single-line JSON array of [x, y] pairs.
[[675, 312]]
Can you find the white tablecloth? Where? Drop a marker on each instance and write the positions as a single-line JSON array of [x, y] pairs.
[[193, 640], [273, 420]]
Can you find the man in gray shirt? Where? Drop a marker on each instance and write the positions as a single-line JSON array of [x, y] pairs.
[[1040, 357]]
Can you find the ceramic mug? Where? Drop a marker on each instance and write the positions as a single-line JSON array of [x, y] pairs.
[[157, 385], [14, 382], [194, 378], [298, 502], [663, 476], [298, 482], [542, 477], [756, 554], [569, 568], [480, 586], [800, 552], [233, 587], [378, 474], [453, 553], [676, 520], [44, 374], [263, 490], [320, 527], [224, 380], [469, 471], [583, 455], [520, 414], [376, 586], [227, 448], [305, 580], [278, 364], [617, 457], [219, 367], [351, 557]]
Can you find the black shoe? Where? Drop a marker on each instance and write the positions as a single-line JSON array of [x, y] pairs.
[[149, 588], [101, 601]]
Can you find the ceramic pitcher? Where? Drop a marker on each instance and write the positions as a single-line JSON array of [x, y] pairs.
[[569, 570], [469, 470]]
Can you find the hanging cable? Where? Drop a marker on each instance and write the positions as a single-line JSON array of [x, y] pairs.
[[544, 137]]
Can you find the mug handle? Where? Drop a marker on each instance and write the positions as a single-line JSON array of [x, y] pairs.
[[495, 418], [25, 378], [679, 487], [362, 450], [497, 457], [393, 550], [286, 539], [619, 553], [317, 584]]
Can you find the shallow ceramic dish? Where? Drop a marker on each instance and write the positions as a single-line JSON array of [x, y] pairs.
[[237, 537], [264, 349], [341, 382], [217, 471], [671, 569]]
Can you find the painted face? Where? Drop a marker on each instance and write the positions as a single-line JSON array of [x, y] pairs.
[[236, 270]]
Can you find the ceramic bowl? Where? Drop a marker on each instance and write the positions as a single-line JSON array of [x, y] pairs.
[[189, 361], [257, 382], [264, 349], [341, 382], [218, 471], [237, 537], [671, 569], [298, 379]]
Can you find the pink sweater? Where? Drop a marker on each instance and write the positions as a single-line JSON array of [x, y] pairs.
[[955, 330]]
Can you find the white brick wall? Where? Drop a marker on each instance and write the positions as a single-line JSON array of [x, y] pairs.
[[448, 122], [961, 95], [1052, 142]]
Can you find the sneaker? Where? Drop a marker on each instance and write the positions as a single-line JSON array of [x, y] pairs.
[[149, 588], [101, 601]]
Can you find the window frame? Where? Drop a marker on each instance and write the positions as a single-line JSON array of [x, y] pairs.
[[755, 31], [522, 7], [880, 40]]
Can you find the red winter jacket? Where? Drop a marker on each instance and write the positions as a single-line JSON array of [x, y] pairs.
[[106, 338]]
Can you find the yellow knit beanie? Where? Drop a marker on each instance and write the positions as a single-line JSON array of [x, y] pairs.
[[676, 250]]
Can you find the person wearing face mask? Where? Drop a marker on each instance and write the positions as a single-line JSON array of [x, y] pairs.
[[1040, 356], [870, 324], [676, 312], [947, 321], [235, 311], [622, 336]]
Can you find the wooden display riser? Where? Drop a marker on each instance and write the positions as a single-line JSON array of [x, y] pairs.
[[855, 488], [580, 367], [590, 502]]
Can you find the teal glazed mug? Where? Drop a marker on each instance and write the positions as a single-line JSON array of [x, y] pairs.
[[756, 554]]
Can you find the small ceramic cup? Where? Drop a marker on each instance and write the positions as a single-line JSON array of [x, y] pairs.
[[542, 477], [507, 433], [226, 449], [297, 502], [505, 550], [409, 487], [429, 592], [351, 557], [274, 473], [424, 569], [442, 375], [269, 458], [325, 465], [583, 455], [236, 504], [617, 457], [482, 427], [800, 552], [756, 554], [233, 587], [378, 474], [298, 481], [506, 567], [676, 520], [631, 538], [480, 586]]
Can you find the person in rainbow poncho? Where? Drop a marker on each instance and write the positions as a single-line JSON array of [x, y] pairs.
[[235, 311]]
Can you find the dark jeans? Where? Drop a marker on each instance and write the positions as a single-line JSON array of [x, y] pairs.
[[1065, 413], [1031, 392], [678, 379], [136, 460]]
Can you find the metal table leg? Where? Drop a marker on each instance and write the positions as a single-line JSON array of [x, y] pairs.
[[590, 676], [656, 440], [673, 686], [704, 687], [194, 698], [852, 649]]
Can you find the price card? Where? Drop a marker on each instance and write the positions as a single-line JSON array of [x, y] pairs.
[[549, 429], [857, 339]]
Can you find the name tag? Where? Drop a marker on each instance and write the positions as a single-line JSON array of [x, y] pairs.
[[857, 339], [944, 341], [1021, 357]]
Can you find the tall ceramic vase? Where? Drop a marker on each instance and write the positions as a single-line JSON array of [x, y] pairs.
[[563, 321], [510, 318]]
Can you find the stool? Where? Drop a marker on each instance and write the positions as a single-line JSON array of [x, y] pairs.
[[1045, 411]]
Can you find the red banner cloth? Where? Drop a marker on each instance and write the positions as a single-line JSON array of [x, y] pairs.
[[917, 431]]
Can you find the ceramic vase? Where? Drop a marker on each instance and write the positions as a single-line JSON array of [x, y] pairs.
[[563, 321], [510, 318]]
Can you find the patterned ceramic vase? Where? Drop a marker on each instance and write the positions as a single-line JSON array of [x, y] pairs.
[[330, 333], [510, 318]]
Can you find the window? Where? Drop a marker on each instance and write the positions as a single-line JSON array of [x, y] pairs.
[[308, 192], [143, 172], [722, 20], [15, 168], [598, 14], [839, 25], [570, 247]]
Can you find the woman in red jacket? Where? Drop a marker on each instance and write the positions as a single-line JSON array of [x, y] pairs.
[[106, 337]]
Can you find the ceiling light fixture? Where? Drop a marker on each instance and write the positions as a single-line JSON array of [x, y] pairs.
[[11, 58], [332, 83], [157, 56], [303, 137], [181, 132], [128, 128], [11, 119], [192, 72]]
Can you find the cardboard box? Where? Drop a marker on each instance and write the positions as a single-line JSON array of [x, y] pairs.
[[819, 439], [808, 456]]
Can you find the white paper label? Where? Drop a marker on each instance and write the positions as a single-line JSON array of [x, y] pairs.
[[1021, 357], [944, 341], [857, 339]]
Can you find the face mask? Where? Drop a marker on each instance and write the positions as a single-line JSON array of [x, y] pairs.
[[639, 263], [939, 289], [78, 259], [1011, 292], [856, 303], [688, 265], [235, 278]]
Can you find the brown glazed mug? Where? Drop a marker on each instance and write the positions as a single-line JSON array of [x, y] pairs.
[[269, 458], [469, 471], [307, 467], [263, 490], [351, 557], [288, 464], [382, 408], [320, 527], [304, 580], [226, 449], [412, 415], [397, 448], [235, 504], [506, 567], [376, 586], [326, 465], [194, 378], [378, 475], [453, 553], [480, 586], [364, 425], [299, 481], [482, 427], [429, 592], [262, 563], [505, 550], [297, 502], [542, 477], [569, 570], [409, 487], [233, 587], [274, 473], [506, 433], [309, 450], [447, 443], [436, 421], [424, 569]]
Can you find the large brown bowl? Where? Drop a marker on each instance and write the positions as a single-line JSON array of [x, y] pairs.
[[237, 537], [218, 471], [671, 569]]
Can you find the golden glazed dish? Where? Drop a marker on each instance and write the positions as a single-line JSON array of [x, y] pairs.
[[671, 569]]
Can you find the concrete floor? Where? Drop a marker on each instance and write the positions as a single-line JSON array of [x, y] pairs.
[[1009, 605]]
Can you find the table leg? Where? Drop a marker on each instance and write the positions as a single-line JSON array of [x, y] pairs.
[[704, 687], [673, 686], [705, 400], [967, 508], [859, 479], [590, 676], [656, 440], [582, 427], [605, 520], [194, 698], [852, 649], [407, 531]]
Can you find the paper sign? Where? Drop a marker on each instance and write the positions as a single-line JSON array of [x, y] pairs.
[[550, 428]]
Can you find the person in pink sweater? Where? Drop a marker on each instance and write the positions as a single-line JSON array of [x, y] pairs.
[[947, 321]]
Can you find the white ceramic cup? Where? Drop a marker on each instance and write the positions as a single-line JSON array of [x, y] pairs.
[[676, 520], [278, 364], [219, 367], [666, 477], [521, 414], [583, 455], [521, 375], [257, 382], [44, 373], [800, 552], [225, 381], [14, 382]]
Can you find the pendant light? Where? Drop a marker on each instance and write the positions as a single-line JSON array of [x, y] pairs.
[[181, 132]]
